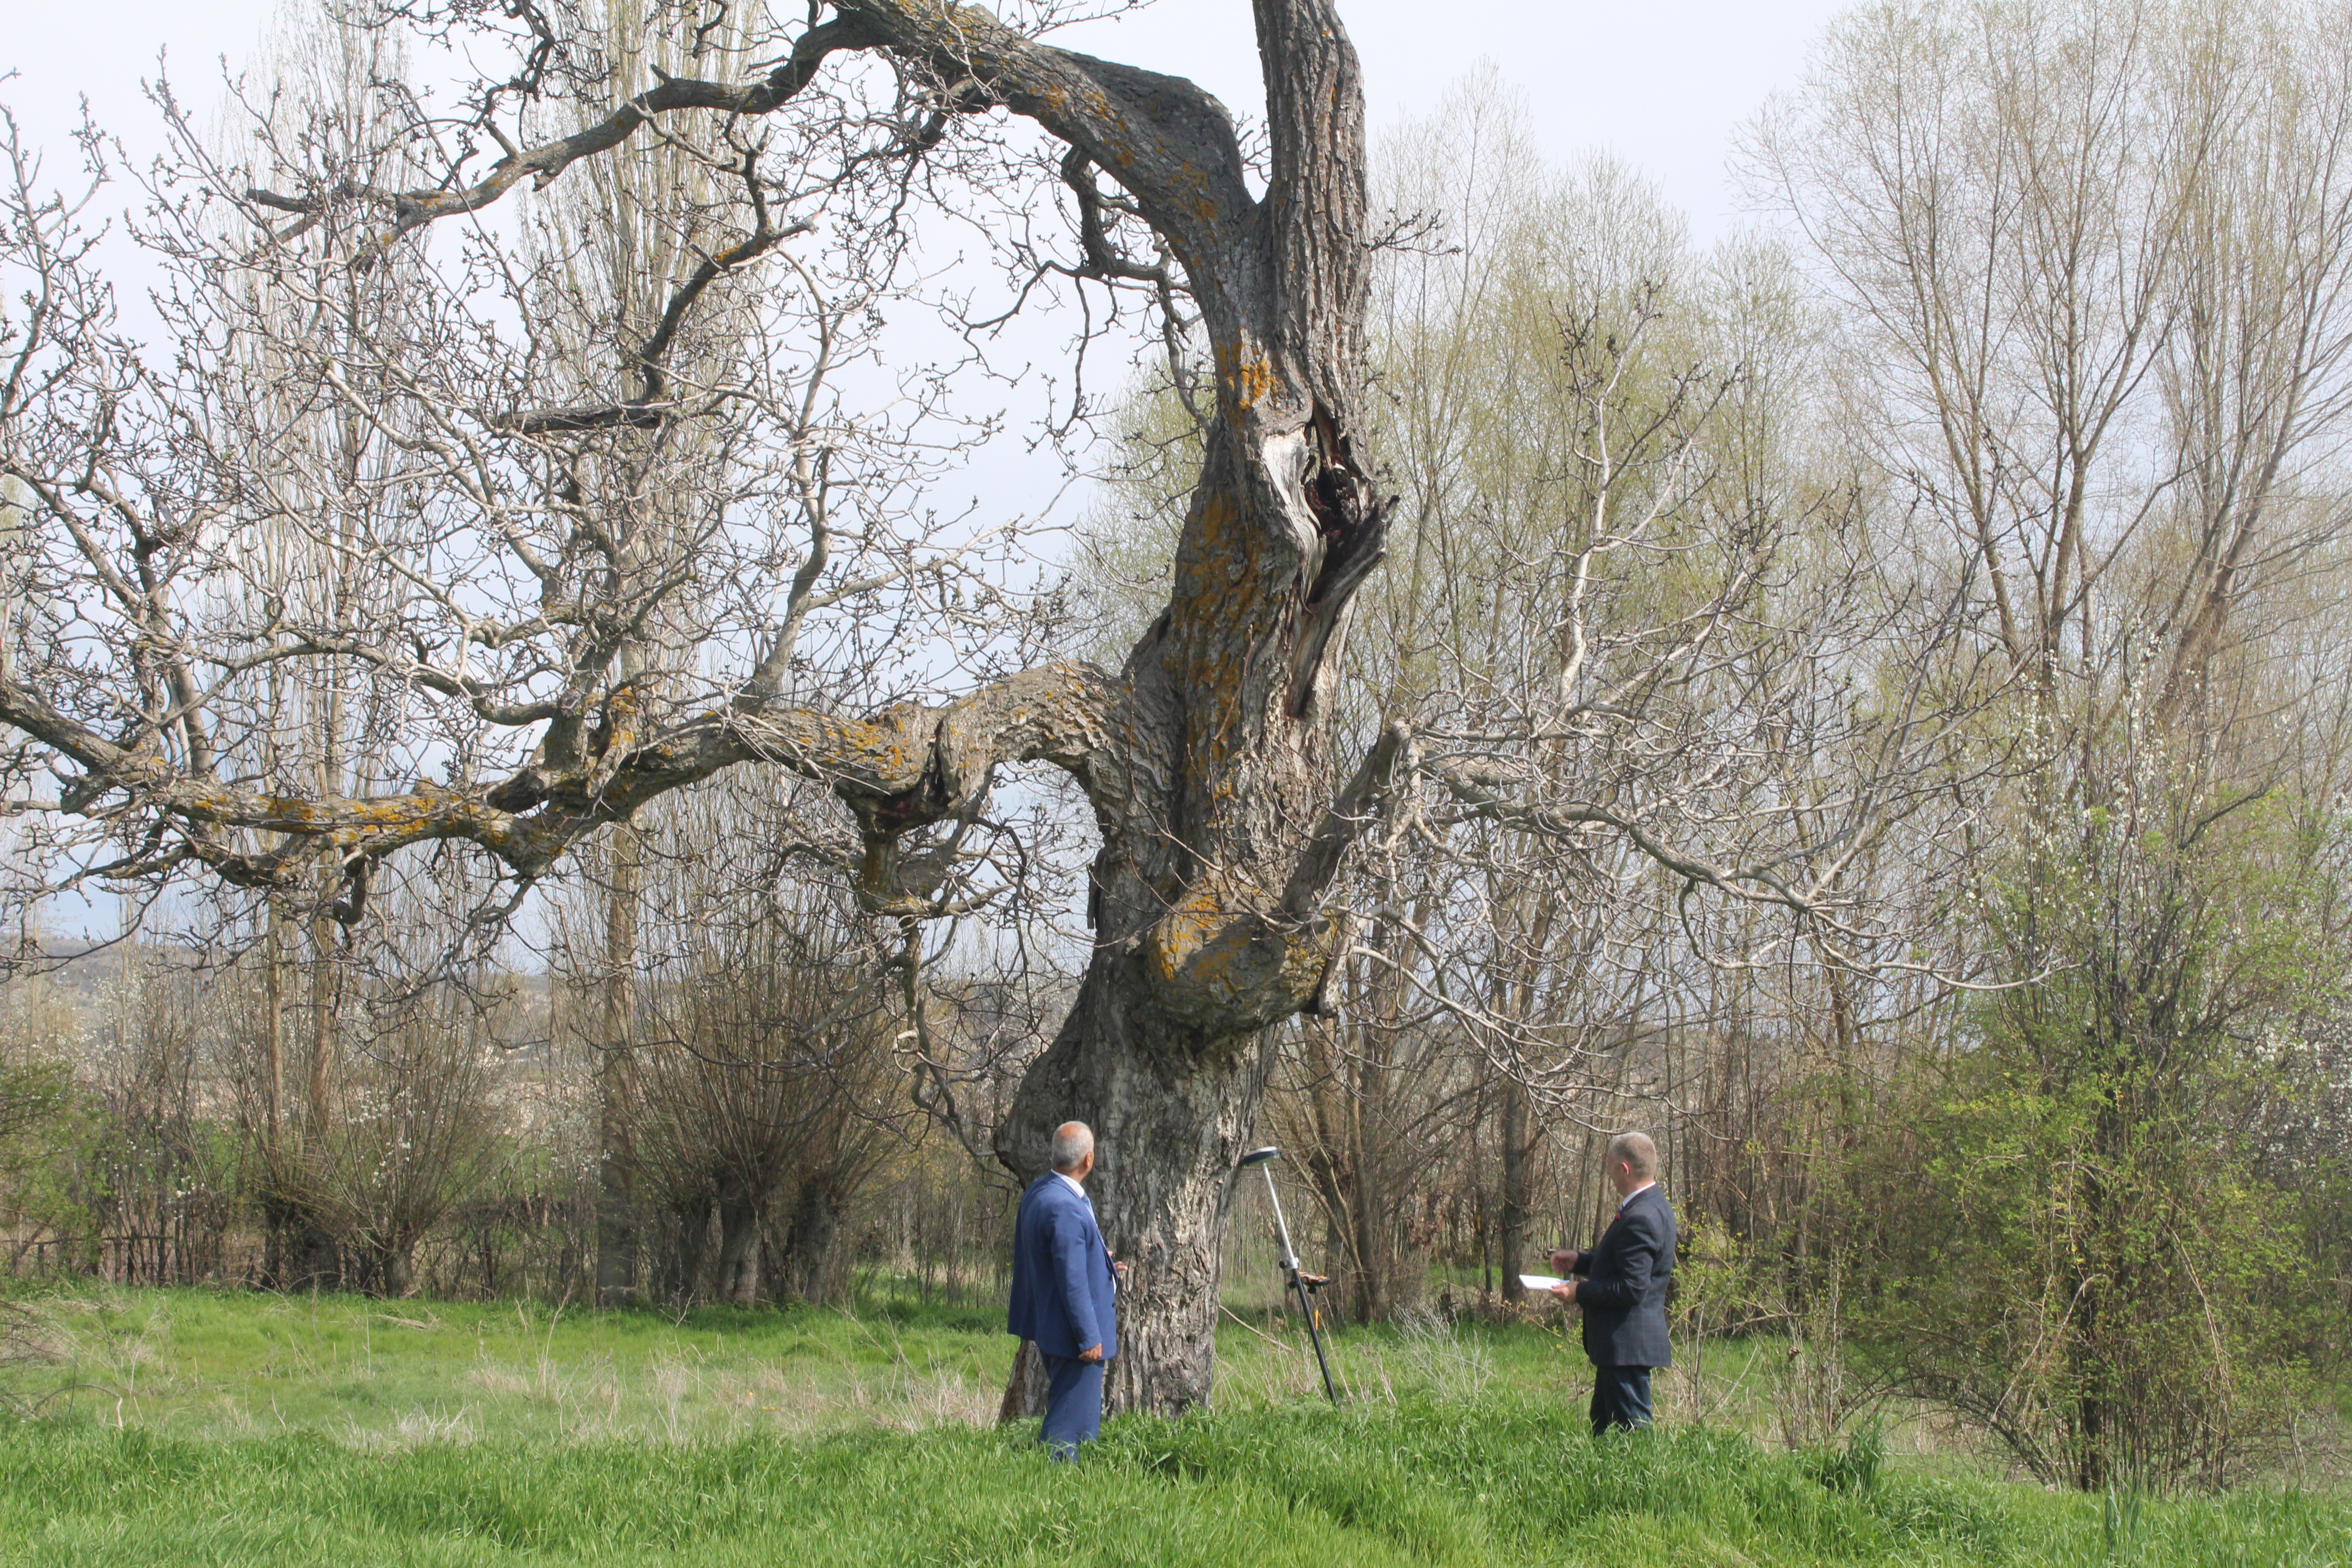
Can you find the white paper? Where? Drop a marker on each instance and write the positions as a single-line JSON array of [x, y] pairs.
[[1537, 1281]]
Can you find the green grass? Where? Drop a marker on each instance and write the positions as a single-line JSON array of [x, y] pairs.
[[388, 1375], [185, 1427], [1418, 1482]]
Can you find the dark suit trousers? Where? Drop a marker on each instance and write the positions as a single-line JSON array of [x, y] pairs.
[[1073, 1404], [1621, 1397]]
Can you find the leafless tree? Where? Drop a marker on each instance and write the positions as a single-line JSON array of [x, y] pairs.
[[770, 1086]]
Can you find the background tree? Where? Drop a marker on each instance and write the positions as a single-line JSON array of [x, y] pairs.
[[2091, 262], [770, 1088]]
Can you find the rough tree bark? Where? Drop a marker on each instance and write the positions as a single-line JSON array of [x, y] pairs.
[[1206, 760], [739, 1222], [616, 1075], [808, 1240], [1512, 1222]]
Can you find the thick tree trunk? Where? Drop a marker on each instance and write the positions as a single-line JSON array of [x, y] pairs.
[[1172, 1115], [679, 1278], [1512, 1222], [1025, 1391], [1165, 1052], [392, 1269], [739, 1249], [616, 1078], [1218, 834], [808, 1240]]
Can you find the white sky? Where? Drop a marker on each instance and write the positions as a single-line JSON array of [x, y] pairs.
[[1662, 85]]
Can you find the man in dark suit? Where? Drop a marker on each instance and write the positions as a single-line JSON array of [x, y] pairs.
[[1064, 1288], [1623, 1292]]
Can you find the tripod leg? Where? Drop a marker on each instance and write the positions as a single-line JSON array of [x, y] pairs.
[[1314, 1337]]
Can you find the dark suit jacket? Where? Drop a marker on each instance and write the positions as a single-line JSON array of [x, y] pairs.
[[1064, 1291], [1625, 1291]]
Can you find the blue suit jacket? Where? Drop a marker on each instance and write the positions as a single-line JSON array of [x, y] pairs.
[[1064, 1290]]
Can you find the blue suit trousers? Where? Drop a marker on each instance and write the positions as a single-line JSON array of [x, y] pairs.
[[1073, 1405]]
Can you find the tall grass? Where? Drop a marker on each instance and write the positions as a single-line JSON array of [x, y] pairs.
[[1419, 1482]]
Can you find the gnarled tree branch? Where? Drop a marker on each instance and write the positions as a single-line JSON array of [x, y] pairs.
[[897, 770]]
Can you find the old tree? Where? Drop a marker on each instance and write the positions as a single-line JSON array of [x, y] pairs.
[[135, 491]]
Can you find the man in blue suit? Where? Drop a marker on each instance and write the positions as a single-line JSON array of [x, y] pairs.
[[1623, 1292], [1065, 1288]]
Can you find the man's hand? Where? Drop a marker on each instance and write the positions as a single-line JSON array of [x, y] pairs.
[[1563, 1260], [1565, 1290], [1092, 1352]]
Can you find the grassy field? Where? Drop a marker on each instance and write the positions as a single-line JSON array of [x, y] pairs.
[[166, 1426]]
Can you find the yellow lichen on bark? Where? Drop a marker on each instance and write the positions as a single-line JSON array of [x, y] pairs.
[[1244, 382], [1218, 964]]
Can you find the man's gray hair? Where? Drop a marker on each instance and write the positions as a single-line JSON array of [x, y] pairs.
[[1636, 1149], [1073, 1141]]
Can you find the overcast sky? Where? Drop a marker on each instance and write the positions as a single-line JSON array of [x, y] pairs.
[[1662, 85]]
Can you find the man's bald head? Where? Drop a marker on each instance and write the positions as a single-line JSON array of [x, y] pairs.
[[1074, 1143]]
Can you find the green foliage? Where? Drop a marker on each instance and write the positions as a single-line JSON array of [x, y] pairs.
[[1855, 1466], [52, 1138], [2093, 1268], [31, 1095]]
